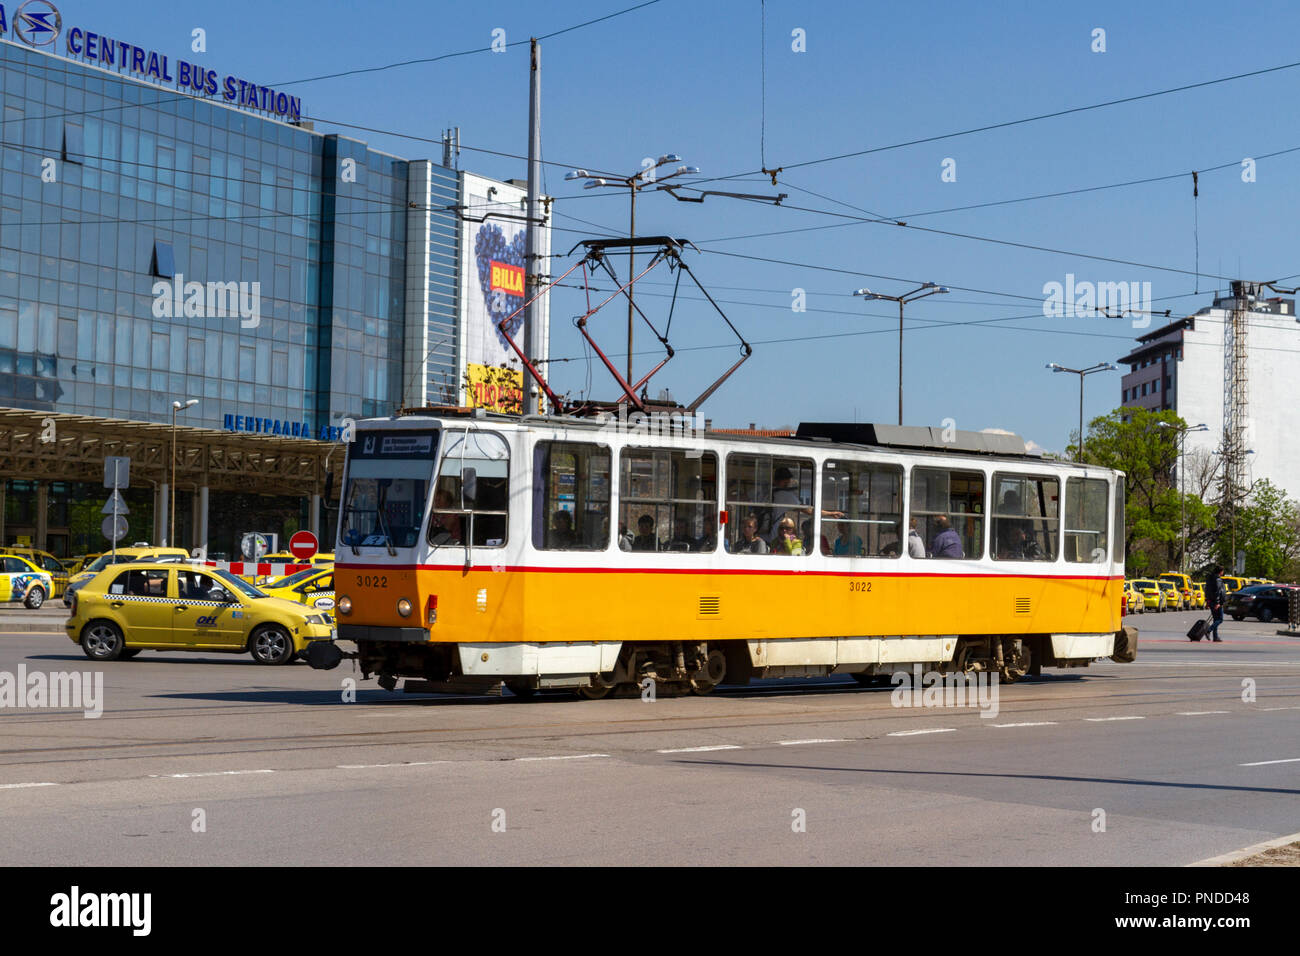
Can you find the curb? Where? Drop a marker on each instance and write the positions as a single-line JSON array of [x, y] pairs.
[[1235, 855]]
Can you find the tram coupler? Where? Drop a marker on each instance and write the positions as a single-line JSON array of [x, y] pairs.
[[326, 655]]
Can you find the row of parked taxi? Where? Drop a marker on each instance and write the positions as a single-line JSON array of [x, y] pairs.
[[155, 598], [1173, 591]]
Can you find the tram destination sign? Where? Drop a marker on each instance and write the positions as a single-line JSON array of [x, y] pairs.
[[39, 24]]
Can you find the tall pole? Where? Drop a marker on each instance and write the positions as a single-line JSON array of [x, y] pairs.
[[631, 271], [1182, 500], [900, 361], [532, 321], [1080, 417], [171, 534]]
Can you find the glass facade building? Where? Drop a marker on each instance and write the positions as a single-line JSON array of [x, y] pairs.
[[157, 245]]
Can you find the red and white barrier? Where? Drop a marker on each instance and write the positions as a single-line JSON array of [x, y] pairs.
[[258, 568]]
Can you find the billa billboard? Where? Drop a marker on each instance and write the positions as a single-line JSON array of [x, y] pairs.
[[492, 271]]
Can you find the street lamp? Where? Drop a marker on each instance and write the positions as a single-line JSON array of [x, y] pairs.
[[633, 184], [1081, 372], [925, 289], [1182, 486], [176, 407]]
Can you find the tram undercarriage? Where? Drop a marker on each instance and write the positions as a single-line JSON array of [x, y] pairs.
[[671, 668]]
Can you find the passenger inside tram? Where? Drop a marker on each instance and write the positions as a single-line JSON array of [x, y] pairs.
[[562, 535], [787, 538], [749, 541], [645, 539]]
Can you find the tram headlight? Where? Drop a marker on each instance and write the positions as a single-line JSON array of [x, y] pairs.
[[404, 607], [345, 605]]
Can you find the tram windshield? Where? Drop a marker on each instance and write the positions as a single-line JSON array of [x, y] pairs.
[[387, 488]]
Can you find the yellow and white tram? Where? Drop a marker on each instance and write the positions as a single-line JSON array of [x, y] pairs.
[[475, 549]]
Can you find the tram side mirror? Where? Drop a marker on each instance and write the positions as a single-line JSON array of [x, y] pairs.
[[468, 485]]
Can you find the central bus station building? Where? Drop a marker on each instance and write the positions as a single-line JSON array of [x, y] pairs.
[[161, 246]]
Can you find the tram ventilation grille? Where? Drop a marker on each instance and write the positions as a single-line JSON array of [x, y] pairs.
[[1022, 605], [710, 605]]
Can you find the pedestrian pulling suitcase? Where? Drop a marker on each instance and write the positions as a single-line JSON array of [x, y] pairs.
[[1198, 629]]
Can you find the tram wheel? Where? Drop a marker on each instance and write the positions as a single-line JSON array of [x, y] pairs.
[[713, 672], [1017, 660], [598, 689]]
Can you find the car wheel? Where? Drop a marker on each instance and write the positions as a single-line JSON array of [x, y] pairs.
[[271, 644], [1238, 617], [35, 597], [102, 641], [1265, 615]]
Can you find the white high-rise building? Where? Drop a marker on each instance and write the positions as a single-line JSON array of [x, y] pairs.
[[1180, 367]]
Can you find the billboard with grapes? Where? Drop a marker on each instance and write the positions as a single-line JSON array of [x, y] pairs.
[[493, 266]]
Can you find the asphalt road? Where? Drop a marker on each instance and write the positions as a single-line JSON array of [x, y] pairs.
[[215, 760]]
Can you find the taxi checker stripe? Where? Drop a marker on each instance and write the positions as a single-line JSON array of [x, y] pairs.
[[141, 599]]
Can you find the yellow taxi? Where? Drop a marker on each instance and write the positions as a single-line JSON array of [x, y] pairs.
[[76, 565], [1173, 596], [1133, 602], [1232, 583], [313, 587], [1153, 598], [163, 606], [46, 562], [23, 582], [1198, 594], [123, 555], [1184, 585]]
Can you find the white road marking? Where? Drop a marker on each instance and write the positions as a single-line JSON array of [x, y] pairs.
[[1265, 763], [565, 757], [1280, 708], [912, 733], [1032, 723], [812, 740], [212, 773], [22, 786], [698, 750], [1097, 720], [1201, 713], [371, 766]]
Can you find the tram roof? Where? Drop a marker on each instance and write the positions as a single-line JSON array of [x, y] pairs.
[[884, 437]]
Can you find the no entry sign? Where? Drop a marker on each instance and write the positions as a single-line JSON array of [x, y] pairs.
[[303, 544]]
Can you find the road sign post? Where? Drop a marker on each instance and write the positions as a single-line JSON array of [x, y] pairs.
[[117, 475]]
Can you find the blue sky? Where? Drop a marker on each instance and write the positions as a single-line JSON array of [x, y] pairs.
[[685, 77]]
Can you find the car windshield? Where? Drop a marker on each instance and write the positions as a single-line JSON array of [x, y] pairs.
[[238, 584], [104, 560], [298, 578]]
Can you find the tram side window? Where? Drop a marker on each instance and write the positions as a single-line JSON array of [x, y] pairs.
[[668, 501], [871, 499], [949, 510], [767, 488], [1085, 520], [472, 493], [571, 485], [1120, 532], [1026, 520]]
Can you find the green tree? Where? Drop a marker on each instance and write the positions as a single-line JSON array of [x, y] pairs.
[[1133, 440], [1268, 530]]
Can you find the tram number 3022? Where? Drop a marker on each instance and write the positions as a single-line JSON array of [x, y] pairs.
[[860, 586], [372, 580]]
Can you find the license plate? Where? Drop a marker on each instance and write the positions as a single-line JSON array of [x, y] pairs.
[[334, 633]]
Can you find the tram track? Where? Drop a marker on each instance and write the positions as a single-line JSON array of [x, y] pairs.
[[598, 728]]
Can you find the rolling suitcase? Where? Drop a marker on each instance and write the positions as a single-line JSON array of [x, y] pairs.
[[1198, 629]]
